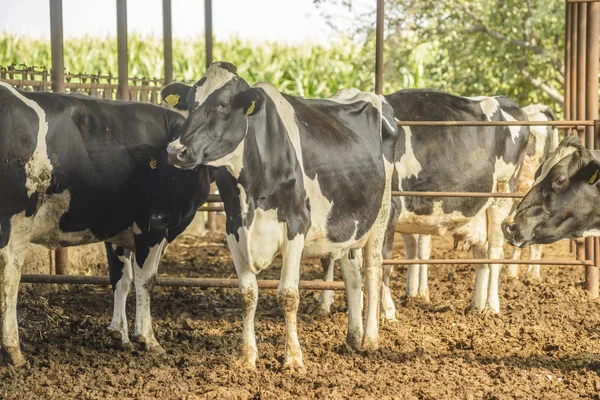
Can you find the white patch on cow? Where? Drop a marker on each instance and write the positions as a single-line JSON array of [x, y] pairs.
[[38, 168], [142, 275], [119, 317], [136, 229], [559, 154], [489, 105], [591, 232], [408, 166], [234, 161], [46, 224], [216, 78], [262, 239], [12, 258], [353, 95], [514, 130]]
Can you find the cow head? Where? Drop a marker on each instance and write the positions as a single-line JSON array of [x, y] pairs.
[[562, 201], [171, 196], [220, 104]]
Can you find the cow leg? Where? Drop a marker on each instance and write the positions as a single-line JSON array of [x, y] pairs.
[[353, 284], [496, 214], [512, 270], [248, 291], [12, 258], [533, 271], [327, 296], [121, 276], [373, 275], [424, 254], [388, 309], [482, 278], [412, 271], [288, 298], [144, 272]]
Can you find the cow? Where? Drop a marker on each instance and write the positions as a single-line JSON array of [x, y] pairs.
[[456, 159], [450, 158], [77, 170], [562, 202], [542, 141], [307, 176]]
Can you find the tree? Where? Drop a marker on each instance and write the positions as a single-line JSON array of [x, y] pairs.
[[476, 47]]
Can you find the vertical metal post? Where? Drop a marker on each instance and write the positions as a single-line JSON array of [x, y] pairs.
[[379, 48], [573, 56], [123, 62], [61, 255], [208, 31], [581, 57], [567, 84], [167, 41], [591, 112], [211, 221]]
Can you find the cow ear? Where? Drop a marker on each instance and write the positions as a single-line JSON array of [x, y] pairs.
[[591, 172], [250, 101], [174, 95]]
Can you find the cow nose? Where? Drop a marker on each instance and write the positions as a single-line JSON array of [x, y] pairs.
[[159, 221], [176, 154], [509, 229]]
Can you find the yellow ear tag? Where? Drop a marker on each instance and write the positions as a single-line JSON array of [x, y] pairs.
[[153, 162], [172, 99], [251, 108], [593, 178]]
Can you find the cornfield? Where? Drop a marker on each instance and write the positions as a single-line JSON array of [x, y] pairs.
[[306, 69]]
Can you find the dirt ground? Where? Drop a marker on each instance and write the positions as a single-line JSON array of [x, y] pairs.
[[544, 345]]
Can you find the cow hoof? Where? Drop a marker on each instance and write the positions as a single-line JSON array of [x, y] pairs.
[[535, 279], [117, 342], [13, 355], [150, 345], [157, 349], [370, 344], [294, 367], [354, 341], [424, 296], [320, 312]]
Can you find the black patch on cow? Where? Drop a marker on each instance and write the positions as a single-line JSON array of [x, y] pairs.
[[31, 205], [228, 66], [180, 91], [4, 231], [115, 265], [454, 159], [344, 154]]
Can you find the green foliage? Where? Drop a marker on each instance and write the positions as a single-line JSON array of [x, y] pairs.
[[475, 47], [306, 69]]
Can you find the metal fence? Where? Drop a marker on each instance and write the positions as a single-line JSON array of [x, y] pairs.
[[582, 35]]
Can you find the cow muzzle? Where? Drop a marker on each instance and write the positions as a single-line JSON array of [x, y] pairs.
[[177, 154], [159, 221], [511, 233]]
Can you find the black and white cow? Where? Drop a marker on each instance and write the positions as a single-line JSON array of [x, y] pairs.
[[308, 176], [542, 141], [77, 170], [563, 201], [455, 159]]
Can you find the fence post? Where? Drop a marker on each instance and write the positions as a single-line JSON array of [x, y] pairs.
[[379, 48], [208, 31], [167, 41], [61, 255], [123, 62], [591, 113]]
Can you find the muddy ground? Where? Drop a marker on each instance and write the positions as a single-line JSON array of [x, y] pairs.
[[545, 344]]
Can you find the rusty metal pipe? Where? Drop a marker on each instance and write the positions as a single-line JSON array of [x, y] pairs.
[[123, 62], [379, 47], [208, 31], [488, 261], [581, 122], [175, 281], [167, 42]]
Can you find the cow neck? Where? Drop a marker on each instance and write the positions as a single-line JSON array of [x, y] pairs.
[[269, 159]]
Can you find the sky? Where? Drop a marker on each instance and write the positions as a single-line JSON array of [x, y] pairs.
[[290, 21]]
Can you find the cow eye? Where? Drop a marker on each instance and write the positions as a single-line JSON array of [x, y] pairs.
[[223, 105], [560, 181]]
